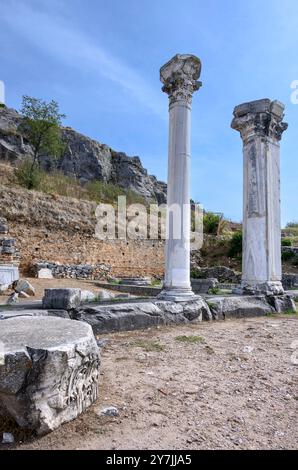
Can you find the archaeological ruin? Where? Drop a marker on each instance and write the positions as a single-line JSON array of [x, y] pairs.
[[54, 338]]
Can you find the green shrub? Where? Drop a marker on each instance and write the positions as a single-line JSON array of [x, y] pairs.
[[211, 222], [235, 245], [106, 192], [286, 242], [286, 255], [295, 260], [195, 273], [28, 174]]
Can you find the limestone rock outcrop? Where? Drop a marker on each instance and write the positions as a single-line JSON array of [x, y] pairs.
[[83, 158]]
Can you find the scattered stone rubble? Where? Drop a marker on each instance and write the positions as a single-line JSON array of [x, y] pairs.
[[221, 273], [71, 271], [290, 281], [9, 257]]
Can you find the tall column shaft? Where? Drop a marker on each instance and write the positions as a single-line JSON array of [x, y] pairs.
[[260, 124], [178, 249], [179, 77]]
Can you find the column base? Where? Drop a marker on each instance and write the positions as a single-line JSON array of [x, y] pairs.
[[265, 288], [177, 294]]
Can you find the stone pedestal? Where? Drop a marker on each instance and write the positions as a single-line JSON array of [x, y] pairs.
[[261, 127], [179, 77]]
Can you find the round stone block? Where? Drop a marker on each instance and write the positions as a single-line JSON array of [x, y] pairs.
[[49, 371]]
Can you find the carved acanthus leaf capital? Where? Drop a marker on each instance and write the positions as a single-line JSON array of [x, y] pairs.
[[262, 118], [180, 77]]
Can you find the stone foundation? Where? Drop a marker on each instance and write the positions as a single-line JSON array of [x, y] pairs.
[[72, 271]]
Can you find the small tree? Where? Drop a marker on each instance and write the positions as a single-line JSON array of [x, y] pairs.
[[41, 127], [214, 224], [236, 245]]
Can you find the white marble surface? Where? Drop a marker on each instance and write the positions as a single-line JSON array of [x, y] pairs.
[[179, 77], [260, 124]]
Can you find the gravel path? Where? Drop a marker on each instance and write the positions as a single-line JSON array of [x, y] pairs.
[[220, 385]]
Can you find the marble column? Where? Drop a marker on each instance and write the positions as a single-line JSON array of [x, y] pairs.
[[260, 125], [180, 79]]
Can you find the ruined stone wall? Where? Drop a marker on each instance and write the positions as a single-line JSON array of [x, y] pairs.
[[9, 254], [131, 258]]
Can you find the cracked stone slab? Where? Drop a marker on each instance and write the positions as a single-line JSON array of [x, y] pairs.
[[127, 316], [239, 306], [49, 370]]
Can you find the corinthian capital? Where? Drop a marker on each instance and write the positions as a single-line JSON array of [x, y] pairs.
[[260, 118], [180, 77]]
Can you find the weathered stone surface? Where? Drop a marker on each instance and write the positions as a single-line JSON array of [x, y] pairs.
[[13, 299], [135, 281], [45, 273], [179, 77], [8, 274], [23, 295], [83, 158], [290, 281], [261, 126], [239, 306], [49, 371], [3, 226], [202, 286], [221, 273], [71, 271], [143, 314], [24, 286], [104, 295], [61, 299], [283, 303], [87, 296], [4, 315]]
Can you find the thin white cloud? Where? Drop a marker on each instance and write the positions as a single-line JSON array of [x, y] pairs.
[[55, 36]]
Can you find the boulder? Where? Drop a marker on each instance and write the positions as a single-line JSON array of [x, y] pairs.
[[49, 371], [13, 299], [22, 285], [61, 299], [23, 295]]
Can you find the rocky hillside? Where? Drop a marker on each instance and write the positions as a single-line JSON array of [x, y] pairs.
[[84, 158]]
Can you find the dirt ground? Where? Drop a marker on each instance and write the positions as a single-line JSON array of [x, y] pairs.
[[41, 284], [220, 385]]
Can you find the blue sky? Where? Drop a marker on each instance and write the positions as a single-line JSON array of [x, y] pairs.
[[100, 60]]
